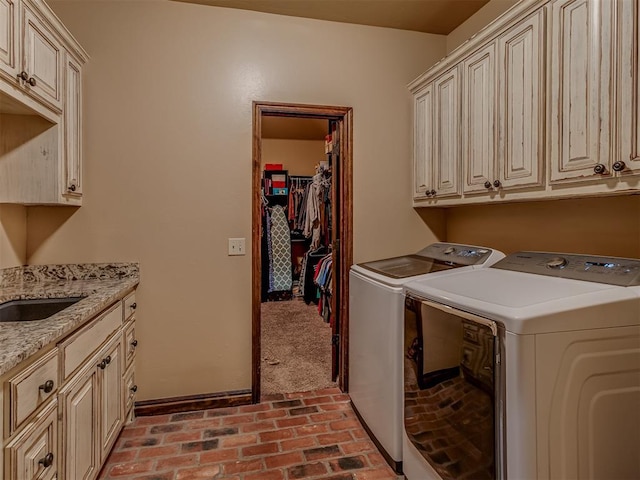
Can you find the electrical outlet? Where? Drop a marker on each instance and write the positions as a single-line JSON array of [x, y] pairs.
[[236, 246]]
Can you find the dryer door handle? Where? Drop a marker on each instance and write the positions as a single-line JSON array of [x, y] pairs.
[[462, 314]]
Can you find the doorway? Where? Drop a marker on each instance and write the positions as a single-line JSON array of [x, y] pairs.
[[337, 237]]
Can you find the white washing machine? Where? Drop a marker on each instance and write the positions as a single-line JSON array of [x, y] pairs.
[[376, 304], [529, 369]]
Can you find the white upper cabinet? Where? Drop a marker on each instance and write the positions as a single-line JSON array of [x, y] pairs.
[[479, 119], [521, 111], [42, 60], [8, 38], [437, 137], [549, 107], [626, 160], [446, 130], [580, 89], [423, 141]]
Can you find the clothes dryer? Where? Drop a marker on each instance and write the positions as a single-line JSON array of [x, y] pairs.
[[527, 369], [376, 303]]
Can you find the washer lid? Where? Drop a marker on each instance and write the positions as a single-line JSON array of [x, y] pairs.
[[434, 258], [529, 303]]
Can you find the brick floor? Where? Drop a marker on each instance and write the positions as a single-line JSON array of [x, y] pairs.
[[310, 435]]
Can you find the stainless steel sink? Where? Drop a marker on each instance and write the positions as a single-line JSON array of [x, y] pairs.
[[36, 309]]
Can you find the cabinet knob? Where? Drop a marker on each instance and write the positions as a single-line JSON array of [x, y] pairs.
[[433, 193], [134, 305], [487, 184], [599, 169], [23, 76], [618, 166], [72, 187], [32, 81], [427, 193], [134, 344], [134, 389], [102, 365], [47, 387], [47, 461], [107, 360], [496, 183]]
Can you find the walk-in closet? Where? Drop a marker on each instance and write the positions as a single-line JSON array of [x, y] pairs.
[[298, 159]]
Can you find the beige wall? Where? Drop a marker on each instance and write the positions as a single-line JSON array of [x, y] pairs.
[[168, 94], [299, 157], [13, 236], [600, 226]]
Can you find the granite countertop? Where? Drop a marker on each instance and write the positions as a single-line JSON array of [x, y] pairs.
[[100, 284]]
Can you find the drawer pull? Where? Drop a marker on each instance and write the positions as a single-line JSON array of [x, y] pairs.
[[102, 365], [24, 76], [32, 81], [134, 344], [134, 389], [47, 461], [133, 306], [107, 360], [47, 387]]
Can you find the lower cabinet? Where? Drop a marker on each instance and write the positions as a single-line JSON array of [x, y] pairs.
[[92, 412], [84, 391]]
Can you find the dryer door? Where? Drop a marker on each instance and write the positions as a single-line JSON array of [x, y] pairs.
[[452, 389]]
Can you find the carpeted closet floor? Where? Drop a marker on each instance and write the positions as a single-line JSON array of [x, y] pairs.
[[295, 348]]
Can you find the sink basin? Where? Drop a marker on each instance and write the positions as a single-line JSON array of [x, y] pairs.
[[36, 309]]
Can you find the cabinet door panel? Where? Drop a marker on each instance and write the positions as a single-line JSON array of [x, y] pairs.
[[42, 60], [628, 104], [447, 133], [521, 87], [27, 454], [423, 142], [580, 88], [73, 129], [478, 115], [8, 38], [111, 411], [80, 400]]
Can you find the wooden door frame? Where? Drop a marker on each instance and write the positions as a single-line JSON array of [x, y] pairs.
[[345, 209]]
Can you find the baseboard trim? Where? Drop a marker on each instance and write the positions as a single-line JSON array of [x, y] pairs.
[[396, 466], [190, 403]]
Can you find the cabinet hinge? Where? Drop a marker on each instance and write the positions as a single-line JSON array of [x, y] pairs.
[[335, 340]]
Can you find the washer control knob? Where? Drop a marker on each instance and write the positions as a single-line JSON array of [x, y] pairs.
[[557, 262], [449, 250]]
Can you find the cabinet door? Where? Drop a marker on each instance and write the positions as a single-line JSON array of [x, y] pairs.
[[33, 453], [446, 165], [423, 142], [521, 99], [581, 69], [111, 410], [478, 116], [42, 60], [8, 39], [79, 403], [628, 74], [72, 129]]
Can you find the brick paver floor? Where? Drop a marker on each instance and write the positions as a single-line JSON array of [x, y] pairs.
[[311, 435]]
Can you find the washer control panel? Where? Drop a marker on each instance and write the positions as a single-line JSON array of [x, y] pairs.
[[624, 272], [456, 253]]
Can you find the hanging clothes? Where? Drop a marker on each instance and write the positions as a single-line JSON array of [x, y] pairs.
[[279, 251], [308, 289], [324, 280]]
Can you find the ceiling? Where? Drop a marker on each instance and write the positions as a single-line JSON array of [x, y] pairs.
[[428, 16]]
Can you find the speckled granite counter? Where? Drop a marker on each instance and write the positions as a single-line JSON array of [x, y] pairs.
[[101, 284]]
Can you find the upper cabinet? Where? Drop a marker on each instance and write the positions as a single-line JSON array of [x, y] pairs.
[[40, 107], [580, 100], [549, 106]]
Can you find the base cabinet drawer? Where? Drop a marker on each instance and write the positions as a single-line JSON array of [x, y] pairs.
[[30, 388], [33, 454]]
